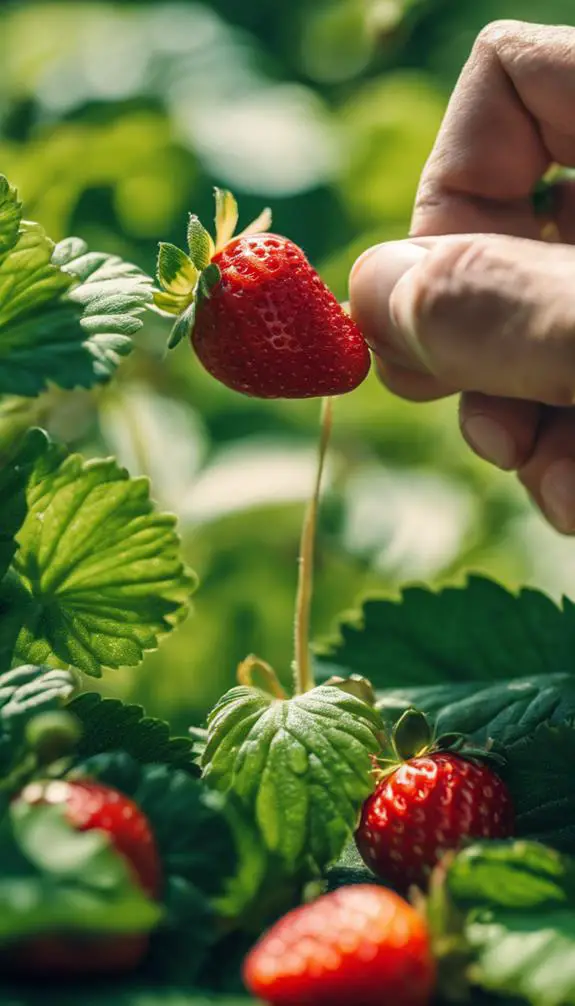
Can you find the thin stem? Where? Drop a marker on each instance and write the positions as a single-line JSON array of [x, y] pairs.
[[303, 674]]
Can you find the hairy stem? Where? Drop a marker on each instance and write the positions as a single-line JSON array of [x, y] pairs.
[[303, 674]]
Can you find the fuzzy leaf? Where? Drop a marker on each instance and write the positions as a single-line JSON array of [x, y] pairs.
[[98, 570], [13, 482], [539, 772], [66, 315], [29, 690], [109, 725], [10, 214], [479, 632], [520, 900], [503, 712], [226, 217], [55, 878], [300, 767], [200, 243]]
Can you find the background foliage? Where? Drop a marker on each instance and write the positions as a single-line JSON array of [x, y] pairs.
[[115, 120]]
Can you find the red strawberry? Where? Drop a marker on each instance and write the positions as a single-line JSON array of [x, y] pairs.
[[262, 322], [361, 944], [89, 806], [430, 804], [271, 328]]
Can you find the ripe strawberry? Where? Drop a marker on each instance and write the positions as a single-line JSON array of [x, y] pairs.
[[262, 321], [362, 944], [92, 806], [429, 804]]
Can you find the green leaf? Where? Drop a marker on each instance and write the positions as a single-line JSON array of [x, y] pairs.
[[520, 903], [300, 767], [13, 482], [503, 712], [539, 772], [55, 878], [10, 214], [110, 724], [66, 315], [479, 632], [29, 690], [99, 571], [200, 243]]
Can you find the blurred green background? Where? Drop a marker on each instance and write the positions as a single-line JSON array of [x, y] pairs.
[[115, 120]]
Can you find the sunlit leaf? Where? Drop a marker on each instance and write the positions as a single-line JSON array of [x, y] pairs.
[[98, 570], [66, 315]]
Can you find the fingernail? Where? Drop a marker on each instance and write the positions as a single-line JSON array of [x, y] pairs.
[[558, 494], [490, 440], [372, 281]]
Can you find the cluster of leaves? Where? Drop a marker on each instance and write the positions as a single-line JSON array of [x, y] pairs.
[[496, 667], [249, 813], [91, 577]]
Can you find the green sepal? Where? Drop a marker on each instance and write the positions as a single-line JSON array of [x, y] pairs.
[[200, 243], [226, 217], [176, 272], [412, 735], [183, 327], [209, 278]]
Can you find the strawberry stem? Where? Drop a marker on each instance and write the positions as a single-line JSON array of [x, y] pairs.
[[303, 673]]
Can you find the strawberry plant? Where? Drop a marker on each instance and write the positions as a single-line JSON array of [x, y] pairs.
[[144, 869]]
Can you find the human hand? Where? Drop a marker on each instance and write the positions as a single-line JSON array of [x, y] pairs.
[[490, 312]]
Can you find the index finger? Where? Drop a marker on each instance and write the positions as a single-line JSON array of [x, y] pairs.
[[511, 116]]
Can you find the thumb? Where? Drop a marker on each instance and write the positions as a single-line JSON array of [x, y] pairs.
[[477, 312]]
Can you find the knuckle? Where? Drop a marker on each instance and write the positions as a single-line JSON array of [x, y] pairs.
[[445, 286], [502, 29]]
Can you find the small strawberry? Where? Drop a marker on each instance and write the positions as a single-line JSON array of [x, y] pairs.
[[93, 806], [361, 944], [259, 317], [433, 802]]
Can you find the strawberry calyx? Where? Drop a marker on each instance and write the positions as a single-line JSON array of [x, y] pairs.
[[187, 278], [413, 737]]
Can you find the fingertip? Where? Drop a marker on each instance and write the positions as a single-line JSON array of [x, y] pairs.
[[372, 281]]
